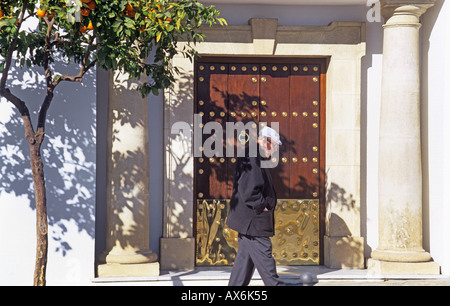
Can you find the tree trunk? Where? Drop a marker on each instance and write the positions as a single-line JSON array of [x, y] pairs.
[[37, 167]]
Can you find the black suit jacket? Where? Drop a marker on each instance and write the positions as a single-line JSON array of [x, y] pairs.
[[252, 192]]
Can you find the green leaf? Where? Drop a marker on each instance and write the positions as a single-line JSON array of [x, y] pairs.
[[118, 44], [116, 24]]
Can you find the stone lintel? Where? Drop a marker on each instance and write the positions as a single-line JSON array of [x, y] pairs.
[[264, 32]]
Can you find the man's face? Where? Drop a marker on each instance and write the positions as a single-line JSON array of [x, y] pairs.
[[268, 146]]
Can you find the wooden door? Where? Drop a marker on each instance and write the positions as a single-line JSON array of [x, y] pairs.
[[289, 92]]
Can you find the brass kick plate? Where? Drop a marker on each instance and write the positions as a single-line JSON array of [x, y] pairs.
[[296, 240]]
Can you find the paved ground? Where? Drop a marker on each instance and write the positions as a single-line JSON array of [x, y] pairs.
[[390, 282], [322, 276]]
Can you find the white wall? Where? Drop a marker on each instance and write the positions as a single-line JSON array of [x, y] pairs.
[[436, 132]]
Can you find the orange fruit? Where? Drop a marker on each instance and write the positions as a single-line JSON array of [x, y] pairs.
[[130, 10], [92, 5], [131, 13], [1, 13], [41, 13], [90, 26], [85, 11]]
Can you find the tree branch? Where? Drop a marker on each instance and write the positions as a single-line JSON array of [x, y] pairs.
[[6, 92], [83, 68], [48, 76], [75, 78], [53, 82], [12, 47], [47, 51]]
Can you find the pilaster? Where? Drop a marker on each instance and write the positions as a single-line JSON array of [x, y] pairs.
[[127, 250], [400, 170]]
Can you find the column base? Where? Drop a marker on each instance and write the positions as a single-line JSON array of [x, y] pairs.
[[128, 270], [345, 252], [376, 266], [177, 253], [401, 256], [123, 257]]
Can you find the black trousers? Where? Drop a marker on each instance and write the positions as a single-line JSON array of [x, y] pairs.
[[254, 252]]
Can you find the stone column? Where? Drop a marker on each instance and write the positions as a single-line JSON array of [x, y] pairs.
[[127, 226], [400, 172]]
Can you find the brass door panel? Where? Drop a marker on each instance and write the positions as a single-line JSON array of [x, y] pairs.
[[216, 242], [296, 240], [290, 93]]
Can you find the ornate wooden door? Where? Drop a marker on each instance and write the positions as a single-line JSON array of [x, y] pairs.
[[290, 92]]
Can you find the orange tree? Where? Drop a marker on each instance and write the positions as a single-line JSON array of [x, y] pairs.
[[111, 34]]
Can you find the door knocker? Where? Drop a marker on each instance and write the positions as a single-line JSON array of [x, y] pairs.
[[243, 137]]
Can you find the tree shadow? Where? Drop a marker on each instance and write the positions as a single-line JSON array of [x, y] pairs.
[[178, 151], [123, 212], [340, 197], [68, 151]]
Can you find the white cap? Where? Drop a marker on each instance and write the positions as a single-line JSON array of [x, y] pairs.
[[269, 132]]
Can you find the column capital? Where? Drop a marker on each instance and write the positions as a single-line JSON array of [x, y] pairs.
[[406, 12]]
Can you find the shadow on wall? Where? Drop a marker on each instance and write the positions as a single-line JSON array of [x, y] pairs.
[[69, 151], [345, 251], [178, 155], [127, 179]]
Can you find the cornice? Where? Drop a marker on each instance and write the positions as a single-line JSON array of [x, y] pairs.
[[416, 8]]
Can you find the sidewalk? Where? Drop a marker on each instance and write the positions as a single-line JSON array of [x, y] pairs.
[[323, 276]]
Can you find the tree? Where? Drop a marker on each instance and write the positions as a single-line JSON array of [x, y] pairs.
[[111, 34]]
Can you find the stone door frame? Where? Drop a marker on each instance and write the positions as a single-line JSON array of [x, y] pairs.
[[344, 45]]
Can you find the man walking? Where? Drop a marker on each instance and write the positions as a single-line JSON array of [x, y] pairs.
[[251, 214]]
